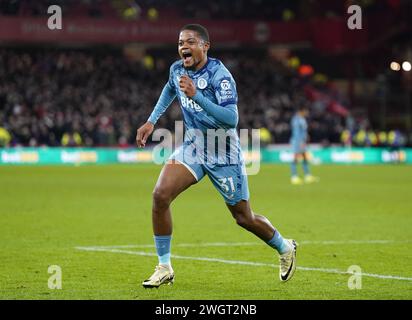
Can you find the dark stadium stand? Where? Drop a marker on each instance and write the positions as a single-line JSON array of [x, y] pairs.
[[103, 96], [48, 90]]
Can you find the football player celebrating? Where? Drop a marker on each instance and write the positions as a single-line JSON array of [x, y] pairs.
[[207, 94]]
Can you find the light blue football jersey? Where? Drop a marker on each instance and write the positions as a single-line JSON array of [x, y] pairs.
[[224, 162], [214, 82], [299, 129]]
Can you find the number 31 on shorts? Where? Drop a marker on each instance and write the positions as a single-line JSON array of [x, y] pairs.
[[225, 183]]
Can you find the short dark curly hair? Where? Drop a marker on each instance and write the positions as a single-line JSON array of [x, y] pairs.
[[201, 30]]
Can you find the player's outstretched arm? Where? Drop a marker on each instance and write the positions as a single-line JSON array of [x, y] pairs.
[[143, 133], [166, 98]]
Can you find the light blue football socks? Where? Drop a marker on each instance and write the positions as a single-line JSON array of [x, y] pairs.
[[278, 243], [294, 169], [306, 170], [163, 249], [163, 246]]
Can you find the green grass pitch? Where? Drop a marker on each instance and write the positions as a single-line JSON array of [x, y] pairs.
[[47, 213]]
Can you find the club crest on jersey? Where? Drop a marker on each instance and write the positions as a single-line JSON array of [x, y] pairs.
[[201, 83]]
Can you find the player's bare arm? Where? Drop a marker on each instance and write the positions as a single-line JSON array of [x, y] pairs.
[[143, 133]]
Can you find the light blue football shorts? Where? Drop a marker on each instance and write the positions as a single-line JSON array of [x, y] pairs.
[[229, 179], [297, 147]]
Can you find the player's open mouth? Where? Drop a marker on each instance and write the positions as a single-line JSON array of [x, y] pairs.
[[187, 56]]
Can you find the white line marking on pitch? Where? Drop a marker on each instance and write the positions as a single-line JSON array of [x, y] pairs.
[[248, 263], [238, 244]]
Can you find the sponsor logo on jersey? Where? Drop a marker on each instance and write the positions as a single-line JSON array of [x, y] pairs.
[[226, 92], [189, 104], [225, 85]]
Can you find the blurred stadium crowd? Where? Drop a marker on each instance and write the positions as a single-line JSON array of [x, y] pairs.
[[95, 96], [98, 98]]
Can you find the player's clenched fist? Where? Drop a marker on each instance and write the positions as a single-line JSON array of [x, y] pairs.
[[143, 133], [187, 86]]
